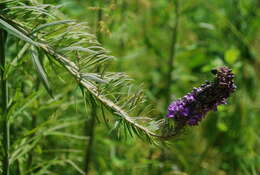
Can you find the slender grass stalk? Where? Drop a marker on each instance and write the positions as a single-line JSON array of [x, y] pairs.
[[31, 153], [92, 124], [4, 104], [99, 20], [123, 10], [136, 6], [33, 125], [91, 134], [172, 53], [169, 77], [237, 22]]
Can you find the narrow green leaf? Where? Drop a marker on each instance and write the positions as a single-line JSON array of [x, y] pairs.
[[51, 24], [6, 1], [13, 31], [24, 149], [40, 69], [74, 165], [78, 48], [11, 67], [36, 9], [93, 77], [18, 108]]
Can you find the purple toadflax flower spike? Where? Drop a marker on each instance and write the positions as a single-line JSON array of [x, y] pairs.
[[192, 108]]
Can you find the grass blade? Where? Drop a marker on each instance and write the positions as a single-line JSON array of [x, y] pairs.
[[13, 31], [40, 69], [51, 24]]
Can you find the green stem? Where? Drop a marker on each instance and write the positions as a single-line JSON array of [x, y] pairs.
[[172, 53], [31, 153], [90, 129], [4, 99], [99, 19], [169, 77], [92, 124], [123, 9], [33, 125]]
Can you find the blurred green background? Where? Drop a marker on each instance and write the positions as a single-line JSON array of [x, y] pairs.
[[197, 35], [168, 47]]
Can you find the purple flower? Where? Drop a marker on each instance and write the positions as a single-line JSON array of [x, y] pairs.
[[193, 107]]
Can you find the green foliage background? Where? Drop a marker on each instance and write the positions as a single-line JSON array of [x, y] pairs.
[[139, 33]]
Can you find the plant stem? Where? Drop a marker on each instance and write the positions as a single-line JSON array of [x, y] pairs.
[[4, 99], [123, 9], [237, 20], [172, 53], [169, 76], [99, 20], [91, 129], [90, 133], [33, 125], [31, 153]]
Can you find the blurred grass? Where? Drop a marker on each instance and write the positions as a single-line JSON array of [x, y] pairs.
[[210, 33]]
